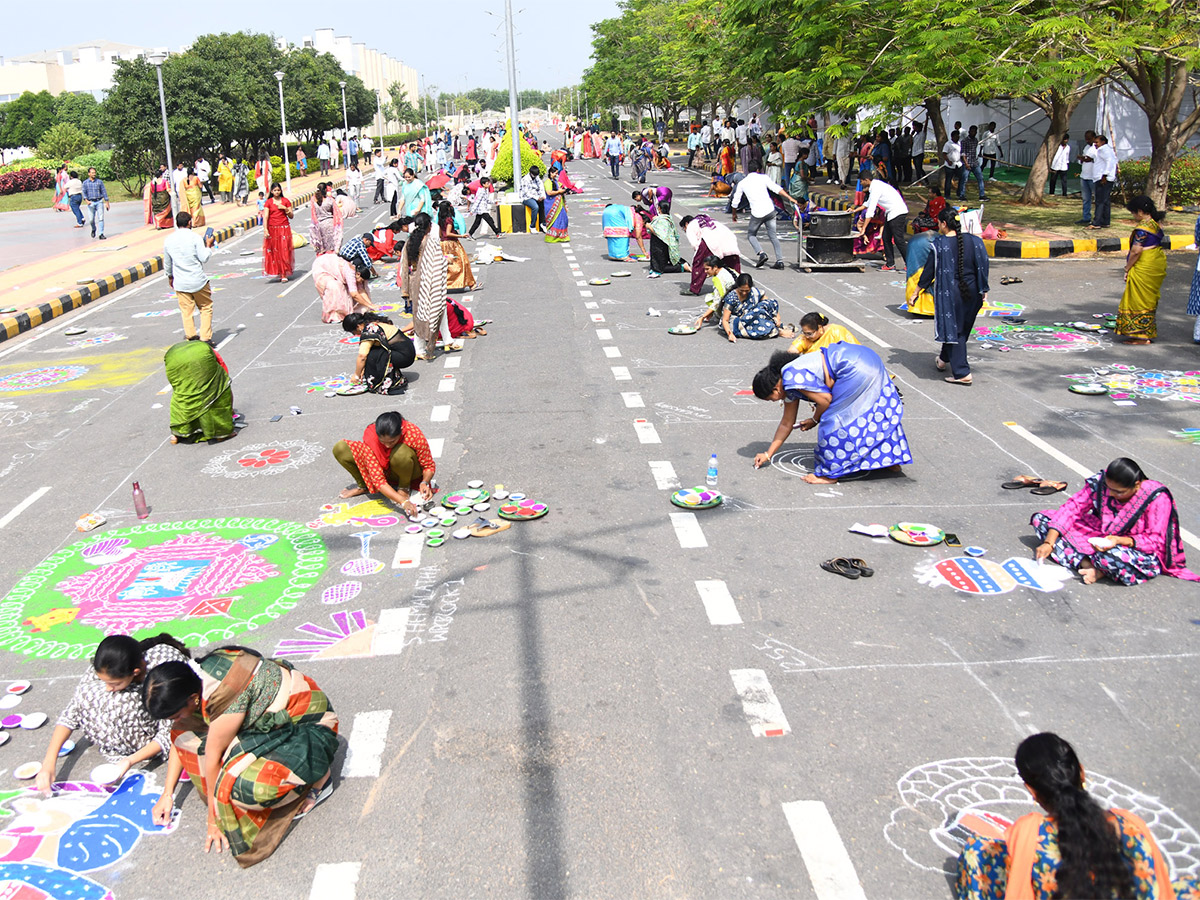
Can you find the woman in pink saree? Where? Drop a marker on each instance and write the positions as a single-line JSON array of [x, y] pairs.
[[1121, 525]]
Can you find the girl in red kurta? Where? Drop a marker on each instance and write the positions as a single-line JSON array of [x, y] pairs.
[[279, 258]]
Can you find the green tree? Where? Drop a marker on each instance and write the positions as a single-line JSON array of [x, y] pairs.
[[502, 167], [81, 110], [27, 118], [65, 141], [400, 109]]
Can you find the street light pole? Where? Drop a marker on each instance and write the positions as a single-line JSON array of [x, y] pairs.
[[287, 169], [425, 105], [379, 117], [345, 123], [512, 94], [157, 59]]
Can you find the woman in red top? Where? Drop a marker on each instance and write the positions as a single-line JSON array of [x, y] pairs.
[[278, 256], [392, 459]]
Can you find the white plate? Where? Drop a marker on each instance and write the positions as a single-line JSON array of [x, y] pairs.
[[3, 737], [500, 495], [27, 770], [481, 507], [475, 484], [8, 701], [34, 720], [18, 687], [105, 773], [67, 747], [461, 533]]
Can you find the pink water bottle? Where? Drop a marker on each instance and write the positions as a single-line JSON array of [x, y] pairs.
[[139, 502]]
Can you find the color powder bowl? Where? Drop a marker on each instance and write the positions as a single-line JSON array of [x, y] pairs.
[[435, 542]]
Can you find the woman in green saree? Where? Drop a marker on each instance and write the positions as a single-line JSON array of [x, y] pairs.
[[201, 393]]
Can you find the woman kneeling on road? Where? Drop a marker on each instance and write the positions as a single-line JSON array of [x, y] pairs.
[[392, 459]]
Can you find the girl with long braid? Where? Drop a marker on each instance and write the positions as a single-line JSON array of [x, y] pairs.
[[1077, 849], [958, 270]]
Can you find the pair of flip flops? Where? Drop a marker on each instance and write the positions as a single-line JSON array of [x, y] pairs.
[[1040, 486], [1010, 279], [848, 568]]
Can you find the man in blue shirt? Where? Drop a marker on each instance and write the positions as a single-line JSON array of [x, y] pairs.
[[353, 148], [95, 196], [613, 150], [184, 256]]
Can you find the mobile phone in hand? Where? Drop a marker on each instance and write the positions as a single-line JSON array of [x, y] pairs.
[[208, 233]]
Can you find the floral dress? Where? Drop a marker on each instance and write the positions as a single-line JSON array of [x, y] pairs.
[[754, 317]]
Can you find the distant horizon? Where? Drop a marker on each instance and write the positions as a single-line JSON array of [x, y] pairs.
[[549, 56]]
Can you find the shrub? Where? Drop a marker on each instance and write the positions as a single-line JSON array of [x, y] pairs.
[[1183, 186], [502, 168], [101, 160], [26, 180], [65, 141], [33, 162], [394, 140]]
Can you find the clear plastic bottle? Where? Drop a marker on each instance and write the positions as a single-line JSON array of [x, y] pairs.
[[711, 480], [139, 502]]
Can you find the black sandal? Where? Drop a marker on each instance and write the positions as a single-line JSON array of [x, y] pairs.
[[841, 566], [864, 570]]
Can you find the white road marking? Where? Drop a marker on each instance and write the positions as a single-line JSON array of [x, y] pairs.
[[604, 334], [646, 431], [295, 284], [854, 326], [622, 374], [408, 551], [446, 384], [591, 305], [687, 531], [612, 352], [393, 623], [439, 414], [570, 257], [24, 505], [581, 283], [335, 881], [633, 400], [759, 703], [1080, 469], [368, 739], [665, 478], [718, 603], [453, 362], [597, 317], [829, 866], [228, 338], [436, 445], [585, 293]]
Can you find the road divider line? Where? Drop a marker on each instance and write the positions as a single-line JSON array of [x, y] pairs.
[[436, 445], [585, 293], [446, 384], [829, 866], [440, 414], [295, 284], [633, 400], [604, 334], [664, 475], [591, 304], [622, 374], [391, 628], [612, 352], [646, 432], [597, 317], [368, 740], [453, 362], [24, 505], [687, 531], [228, 338], [1080, 469], [335, 881], [718, 603], [759, 703]]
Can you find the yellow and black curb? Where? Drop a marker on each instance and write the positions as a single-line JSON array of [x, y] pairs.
[[31, 317]]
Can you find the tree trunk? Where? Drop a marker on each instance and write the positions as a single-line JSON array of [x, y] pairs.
[[1034, 193], [1162, 155], [933, 113]]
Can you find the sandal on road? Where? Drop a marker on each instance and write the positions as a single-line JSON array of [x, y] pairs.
[[863, 569], [1049, 487], [1023, 481], [841, 566]]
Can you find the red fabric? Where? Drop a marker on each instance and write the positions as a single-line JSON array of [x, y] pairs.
[[371, 439], [374, 454], [279, 257], [458, 327]]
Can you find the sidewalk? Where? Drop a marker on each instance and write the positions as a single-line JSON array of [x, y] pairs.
[[42, 290]]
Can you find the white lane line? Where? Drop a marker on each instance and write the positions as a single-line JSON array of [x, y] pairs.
[[446, 384], [591, 304], [392, 627], [1080, 469], [368, 739], [633, 400], [453, 362], [646, 431], [612, 352], [299, 281], [622, 374], [24, 505], [585, 293], [825, 857], [665, 478], [687, 531], [439, 414], [228, 338], [580, 283], [718, 603], [759, 703], [335, 881], [604, 334], [436, 445], [597, 317], [408, 551], [858, 329]]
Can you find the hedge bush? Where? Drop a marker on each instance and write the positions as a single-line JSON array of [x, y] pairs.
[[1183, 186], [26, 180], [101, 160], [33, 162]]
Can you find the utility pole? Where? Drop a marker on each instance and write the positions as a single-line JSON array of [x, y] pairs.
[[512, 93]]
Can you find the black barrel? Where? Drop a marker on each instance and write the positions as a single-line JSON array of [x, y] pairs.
[[835, 223], [830, 250]]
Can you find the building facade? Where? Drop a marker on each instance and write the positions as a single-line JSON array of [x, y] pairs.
[[377, 70], [81, 69]]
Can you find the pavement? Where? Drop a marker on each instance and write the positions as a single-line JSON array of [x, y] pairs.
[[623, 698]]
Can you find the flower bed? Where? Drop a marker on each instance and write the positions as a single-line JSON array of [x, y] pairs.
[[26, 180]]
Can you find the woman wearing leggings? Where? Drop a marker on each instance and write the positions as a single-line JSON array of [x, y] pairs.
[[482, 206]]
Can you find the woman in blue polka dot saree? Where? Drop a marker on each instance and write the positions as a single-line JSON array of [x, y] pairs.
[[857, 410]]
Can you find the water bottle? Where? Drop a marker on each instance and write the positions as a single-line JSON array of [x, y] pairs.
[[711, 480], [139, 502]]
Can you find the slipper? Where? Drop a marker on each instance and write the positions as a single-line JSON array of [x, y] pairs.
[[1049, 487], [840, 566], [484, 527], [941, 365], [479, 330], [1023, 481], [324, 794], [865, 570]]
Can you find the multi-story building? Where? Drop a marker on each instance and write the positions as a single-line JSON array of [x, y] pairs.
[[377, 70], [82, 69]]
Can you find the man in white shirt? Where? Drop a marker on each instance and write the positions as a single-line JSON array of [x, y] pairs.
[[1105, 173], [532, 194], [841, 153], [883, 196], [1087, 165], [366, 145], [741, 132], [204, 172], [952, 166], [758, 189], [727, 132], [989, 146], [379, 167], [184, 256], [178, 178], [706, 139], [323, 156], [791, 153]]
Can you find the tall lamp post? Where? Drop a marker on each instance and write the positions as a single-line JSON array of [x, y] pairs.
[[345, 123], [512, 95], [287, 168], [379, 117], [157, 59]]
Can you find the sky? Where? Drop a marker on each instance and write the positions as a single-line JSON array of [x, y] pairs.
[[553, 45]]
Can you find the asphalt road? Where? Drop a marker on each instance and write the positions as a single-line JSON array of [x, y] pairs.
[[619, 699], [32, 234]]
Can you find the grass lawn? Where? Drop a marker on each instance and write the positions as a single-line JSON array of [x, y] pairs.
[[45, 199]]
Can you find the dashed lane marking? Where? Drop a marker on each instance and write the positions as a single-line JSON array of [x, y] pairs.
[[439, 414], [825, 857], [665, 478], [633, 400], [759, 703], [687, 531], [718, 603], [368, 739], [335, 881], [646, 432]]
